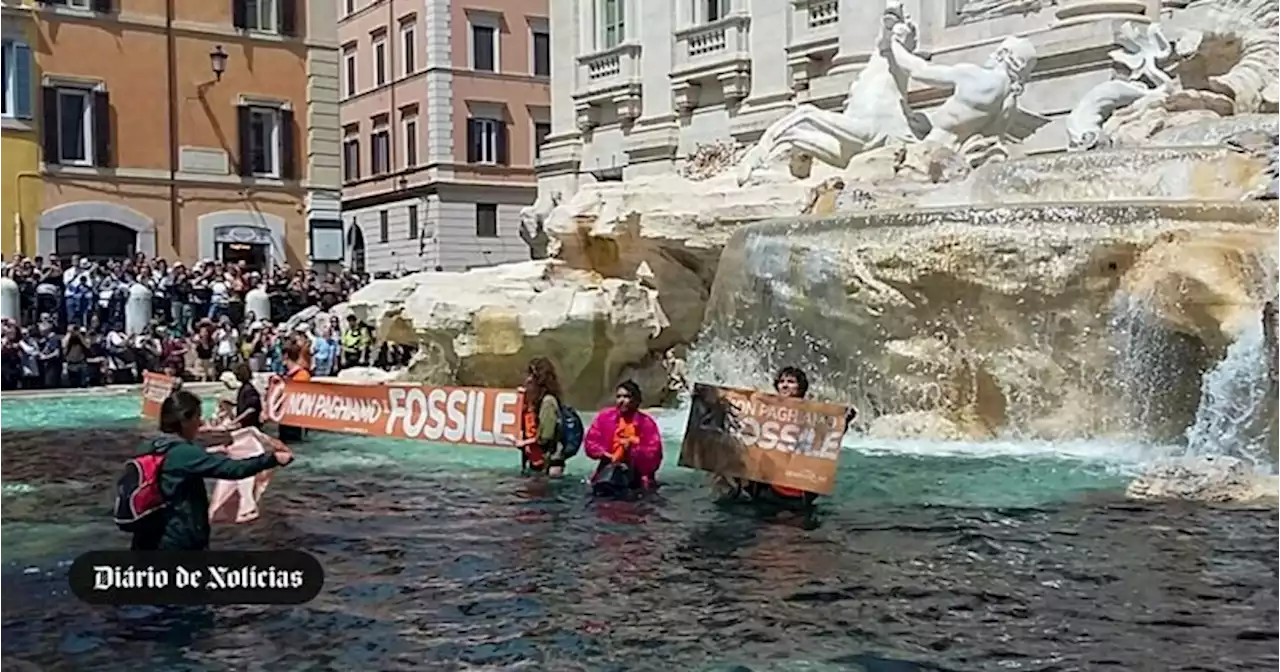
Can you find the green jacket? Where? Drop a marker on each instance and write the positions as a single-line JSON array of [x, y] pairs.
[[184, 524]]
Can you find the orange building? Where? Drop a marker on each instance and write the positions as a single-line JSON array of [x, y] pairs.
[[189, 130], [445, 104]]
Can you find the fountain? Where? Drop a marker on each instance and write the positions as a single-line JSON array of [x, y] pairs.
[[936, 275]]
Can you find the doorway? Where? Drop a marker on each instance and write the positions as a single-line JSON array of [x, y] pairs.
[[355, 247], [254, 255]]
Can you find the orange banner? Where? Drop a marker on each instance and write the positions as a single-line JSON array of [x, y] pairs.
[[156, 387], [466, 415], [764, 437]]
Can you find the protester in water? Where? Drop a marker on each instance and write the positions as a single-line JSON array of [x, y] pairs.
[[541, 446], [296, 369], [183, 524], [789, 382], [248, 401], [626, 442]]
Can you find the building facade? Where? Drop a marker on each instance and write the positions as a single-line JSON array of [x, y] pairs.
[[188, 130], [444, 105], [637, 86], [20, 143]]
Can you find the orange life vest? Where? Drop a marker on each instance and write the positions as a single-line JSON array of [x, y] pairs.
[[624, 436], [788, 492], [533, 452]]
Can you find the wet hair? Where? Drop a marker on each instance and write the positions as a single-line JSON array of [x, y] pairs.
[[544, 381], [632, 389], [802, 381], [178, 408], [243, 373]]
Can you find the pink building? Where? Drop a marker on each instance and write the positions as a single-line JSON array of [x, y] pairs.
[[444, 105]]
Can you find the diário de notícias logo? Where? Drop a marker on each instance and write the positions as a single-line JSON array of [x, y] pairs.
[[196, 577]]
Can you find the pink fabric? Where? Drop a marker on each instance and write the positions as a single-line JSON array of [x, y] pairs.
[[645, 457], [237, 501]]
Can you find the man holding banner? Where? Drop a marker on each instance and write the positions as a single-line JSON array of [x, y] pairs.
[[770, 448]]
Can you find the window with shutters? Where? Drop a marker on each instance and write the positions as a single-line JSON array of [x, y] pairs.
[[486, 141], [486, 220], [384, 226], [76, 125], [7, 77], [410, 121], [261, 15], [380, 59], [484, 42], [413, 221], [351, 154], [266, 140], [540, 133], [15, 92], [612, 23], [380, 148], [711, 10], [349, 71], [409, 45], [541, 53]]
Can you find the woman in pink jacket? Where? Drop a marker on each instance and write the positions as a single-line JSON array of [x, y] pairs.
[[627, 444]]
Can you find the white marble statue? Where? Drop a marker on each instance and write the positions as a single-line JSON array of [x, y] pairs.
[[533, 230], [986, 96], [875, 111], [1144, 51], [1222, 61], [983, 105]]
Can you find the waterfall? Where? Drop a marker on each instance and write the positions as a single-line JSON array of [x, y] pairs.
[[1233, 399]]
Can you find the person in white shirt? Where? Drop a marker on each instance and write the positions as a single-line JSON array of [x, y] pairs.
[[219, 297], [226, 338]]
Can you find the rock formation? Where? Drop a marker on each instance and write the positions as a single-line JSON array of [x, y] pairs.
[[1206, 479], [481, 327]]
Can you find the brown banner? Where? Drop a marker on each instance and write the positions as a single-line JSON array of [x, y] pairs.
[[764, 437], [156, 387]]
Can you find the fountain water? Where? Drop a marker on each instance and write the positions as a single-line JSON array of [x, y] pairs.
[[1032, 297]]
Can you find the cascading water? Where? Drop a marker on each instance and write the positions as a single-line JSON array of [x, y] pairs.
[[1151, 366], [1231, 418]]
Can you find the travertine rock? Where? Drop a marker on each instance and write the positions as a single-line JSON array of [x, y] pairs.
[[996, 320], [1215, 479], [483, 326]]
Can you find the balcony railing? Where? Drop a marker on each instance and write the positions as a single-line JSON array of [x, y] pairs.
[[608, 77], [609, 69], [719, 45], [712, 54]]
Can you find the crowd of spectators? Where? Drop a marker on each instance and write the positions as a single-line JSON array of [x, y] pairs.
[[71, 329]]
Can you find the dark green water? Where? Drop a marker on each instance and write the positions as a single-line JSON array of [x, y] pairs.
[[929, 556]]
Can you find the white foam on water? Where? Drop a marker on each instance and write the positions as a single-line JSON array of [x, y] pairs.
[[672, 424], [1233, 396], [1110, 452]]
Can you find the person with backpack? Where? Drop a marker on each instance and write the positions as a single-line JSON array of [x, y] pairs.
[[627, 443], [161, 498], [543, 445]]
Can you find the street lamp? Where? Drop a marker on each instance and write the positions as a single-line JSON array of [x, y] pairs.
[[218, 61]]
